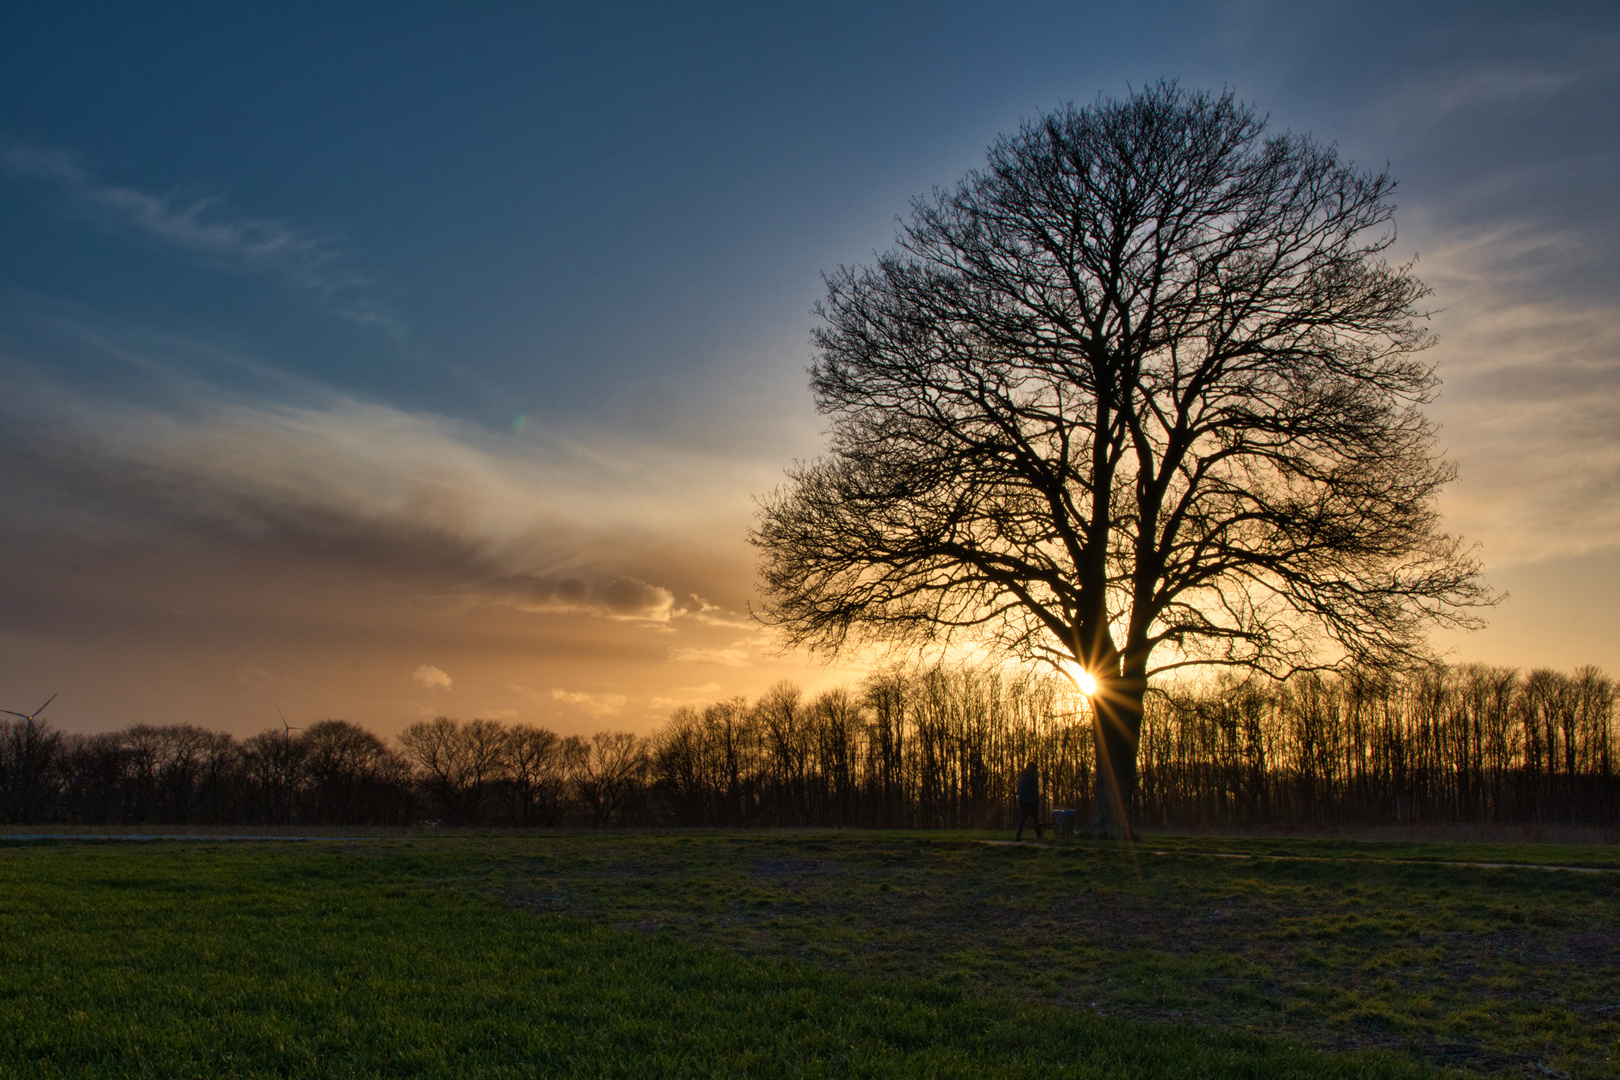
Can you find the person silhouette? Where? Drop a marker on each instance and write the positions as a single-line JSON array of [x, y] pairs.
[[1029, 799]]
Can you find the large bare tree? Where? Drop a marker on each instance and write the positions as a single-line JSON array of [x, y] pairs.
[[1142, 393]]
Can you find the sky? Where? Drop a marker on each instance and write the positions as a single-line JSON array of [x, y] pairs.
[[383, 361]]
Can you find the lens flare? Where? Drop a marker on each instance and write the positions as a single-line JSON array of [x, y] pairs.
[[1084, 680]]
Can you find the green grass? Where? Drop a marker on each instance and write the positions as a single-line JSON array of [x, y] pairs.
[[1333, 943], [818, 954]]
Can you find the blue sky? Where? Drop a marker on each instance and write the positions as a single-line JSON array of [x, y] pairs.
[[346, 344]]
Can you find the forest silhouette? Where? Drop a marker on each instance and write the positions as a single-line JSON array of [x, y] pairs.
[[918, 747]]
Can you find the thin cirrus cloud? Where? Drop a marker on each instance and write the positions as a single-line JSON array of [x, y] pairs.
[[208, 227], [581, 701], [592, 704], [1532, 387], [685, 696], [1510, 213], [732, 657]]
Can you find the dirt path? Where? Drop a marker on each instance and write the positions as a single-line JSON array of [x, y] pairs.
[[1050, 846]]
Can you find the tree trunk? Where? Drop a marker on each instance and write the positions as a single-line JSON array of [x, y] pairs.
[[1116, 734]]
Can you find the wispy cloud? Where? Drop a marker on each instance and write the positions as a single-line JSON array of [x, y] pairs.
[[684, 695], [700, 610], [594, 704], [1433, 99], [257, 679], [431, 677], [210, 228], [474, 521], [733, 657], [1531, 395], [623, 597]]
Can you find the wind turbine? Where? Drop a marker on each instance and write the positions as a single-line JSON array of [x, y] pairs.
[[286, 732], [30, 717]]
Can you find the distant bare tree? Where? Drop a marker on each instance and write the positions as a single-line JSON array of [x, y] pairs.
[[1142, 393], [94, 787], [787, 738], [348, 773], [684, 766], [176, 772], [458, 761], [707, 764], [484, 745], [29, 749], [609, 774], [538, 773], [836, 729], [273, 762]]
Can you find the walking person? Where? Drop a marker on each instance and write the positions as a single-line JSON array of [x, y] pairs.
[[1029, 799]]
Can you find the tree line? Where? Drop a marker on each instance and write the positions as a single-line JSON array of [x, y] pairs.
[[929, 747]]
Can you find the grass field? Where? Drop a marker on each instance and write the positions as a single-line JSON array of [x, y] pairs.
[[814, 954]]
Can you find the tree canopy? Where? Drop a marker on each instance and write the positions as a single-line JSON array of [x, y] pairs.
[[1143, 392]]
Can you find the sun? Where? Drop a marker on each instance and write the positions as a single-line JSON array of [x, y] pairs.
[[1084, 680]]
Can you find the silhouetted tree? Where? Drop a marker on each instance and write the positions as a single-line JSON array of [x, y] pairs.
[[176, 773], [93, 781], [29, 752], [537, 771], [273, 763], [609, 775], [784, 727], [836, 727], [459, 761], [1144, 392], [707, 764], [683, 763], [350, 775]]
